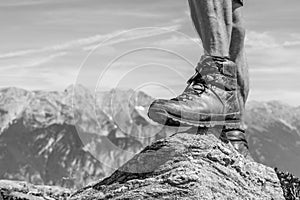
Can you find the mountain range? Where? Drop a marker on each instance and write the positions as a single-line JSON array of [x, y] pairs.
[[75, 137]]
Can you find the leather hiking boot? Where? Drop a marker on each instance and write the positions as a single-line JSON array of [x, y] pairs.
[[238, 140], [210, 99]]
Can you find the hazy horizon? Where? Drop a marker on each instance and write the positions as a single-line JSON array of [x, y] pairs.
[[147, 93]]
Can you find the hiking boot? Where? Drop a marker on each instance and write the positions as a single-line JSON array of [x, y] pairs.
[[210, 98], [238, 140]]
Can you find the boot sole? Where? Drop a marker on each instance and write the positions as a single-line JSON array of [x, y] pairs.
[[165, 118]]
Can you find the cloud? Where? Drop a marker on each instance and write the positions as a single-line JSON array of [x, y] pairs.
[[134, 13], [260, 40], [290, 97], [273, 65], [178, 40], [58, 47], [134, 34], [267, 40], [273, 70], [291, 43], [33, 62], [113, 38], [13, 3]]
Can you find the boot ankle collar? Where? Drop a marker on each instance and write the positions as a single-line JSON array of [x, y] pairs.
[[213, 65]]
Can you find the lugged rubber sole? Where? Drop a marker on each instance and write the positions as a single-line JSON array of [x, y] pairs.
[[165, 118]]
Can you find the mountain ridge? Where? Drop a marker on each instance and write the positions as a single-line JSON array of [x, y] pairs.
[[113, 126]]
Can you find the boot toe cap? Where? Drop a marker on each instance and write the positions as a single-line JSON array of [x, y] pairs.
[[158, 112]]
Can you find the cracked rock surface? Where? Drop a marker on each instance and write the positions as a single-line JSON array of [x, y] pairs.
[[187, 166]]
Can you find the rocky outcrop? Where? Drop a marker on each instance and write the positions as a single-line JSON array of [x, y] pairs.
[[290, 185], [187, 166], [17, 190]]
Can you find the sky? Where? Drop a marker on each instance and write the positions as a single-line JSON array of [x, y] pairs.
[[140, 44]]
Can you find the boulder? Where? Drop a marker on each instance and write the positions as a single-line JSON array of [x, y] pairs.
[[187, 166]]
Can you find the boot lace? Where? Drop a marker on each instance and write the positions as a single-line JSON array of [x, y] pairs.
[[199, 86]]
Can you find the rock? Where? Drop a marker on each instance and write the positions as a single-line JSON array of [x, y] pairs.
[[187, 166], [16, 190], [290, 185]]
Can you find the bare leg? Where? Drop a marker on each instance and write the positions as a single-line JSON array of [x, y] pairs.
[[237, 53], [215, 19], [220, 26]]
